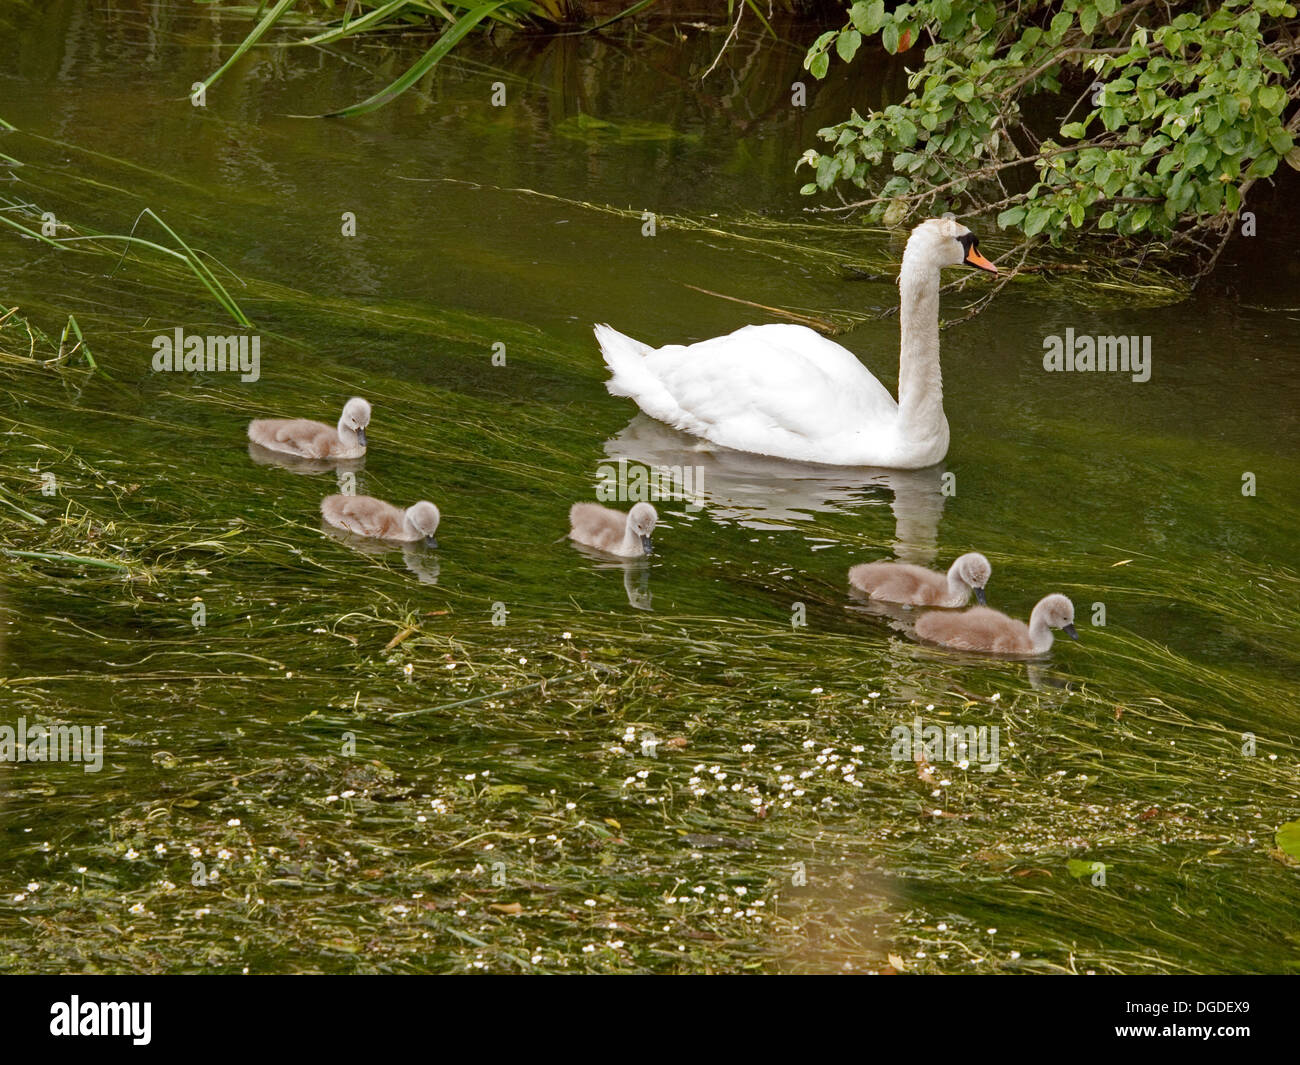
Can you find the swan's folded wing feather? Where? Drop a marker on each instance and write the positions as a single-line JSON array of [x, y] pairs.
[[977, 629], [364, 515], [596, 526], [759, 379], [299, 436], [899, 582]]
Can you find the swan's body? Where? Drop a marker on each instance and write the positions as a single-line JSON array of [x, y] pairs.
[[786, 391], [992, 632], [612, 531], [368, 516], [899, 582], [316, 440]]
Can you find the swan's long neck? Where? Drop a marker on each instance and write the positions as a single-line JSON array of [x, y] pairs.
[[408, 523], [631, 541], [920, 382], [1040, 633], [958, 589]]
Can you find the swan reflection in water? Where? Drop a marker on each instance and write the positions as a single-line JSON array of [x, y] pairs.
[[419, 559], [636, 573], [759, 492], [264, 456]]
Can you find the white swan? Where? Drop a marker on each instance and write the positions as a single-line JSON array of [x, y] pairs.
[[786, 391]]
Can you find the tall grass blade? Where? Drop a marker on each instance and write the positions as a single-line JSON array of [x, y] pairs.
[[423, 65], [267, 22]]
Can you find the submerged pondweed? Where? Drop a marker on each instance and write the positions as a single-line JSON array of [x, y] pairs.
[[586, 789]]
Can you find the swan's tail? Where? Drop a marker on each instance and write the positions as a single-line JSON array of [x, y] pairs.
[[625, 358], [632, 376]]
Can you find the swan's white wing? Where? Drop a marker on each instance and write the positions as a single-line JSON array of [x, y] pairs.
[[771, 388]]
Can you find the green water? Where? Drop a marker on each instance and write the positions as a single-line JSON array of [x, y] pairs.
[[355, 812]]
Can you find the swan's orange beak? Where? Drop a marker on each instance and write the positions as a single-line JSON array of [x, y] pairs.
[[974, 258]]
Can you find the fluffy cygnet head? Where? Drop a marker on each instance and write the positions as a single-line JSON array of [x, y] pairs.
[[641, 520], [940, 242], [423, 517], [356, 416], [973, 569], [1058, 613]]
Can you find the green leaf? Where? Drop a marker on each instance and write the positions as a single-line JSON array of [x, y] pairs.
[[847, 44], [964, 91], [1012, 216], [1271, 98], [819, 64], [1280, 141], [1263, 166], [889, 37], [867, 18], [1288, 838], [1036, 220], [828, 169], [1075, 130]]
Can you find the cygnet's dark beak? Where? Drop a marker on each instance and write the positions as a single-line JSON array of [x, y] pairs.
[[361, 436], [979, 596], [1070, 632], [647, 546], [430, 541]]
